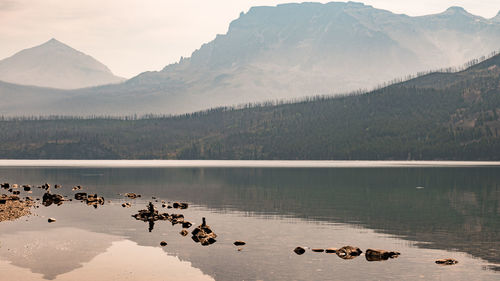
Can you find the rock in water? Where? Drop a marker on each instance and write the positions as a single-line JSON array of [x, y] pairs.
[[239, 243], [447, 261], [348, 252], [49, 199], [379, 255], [163, 243], [180, 205], [51, 220], [299, 250], [203, 234]]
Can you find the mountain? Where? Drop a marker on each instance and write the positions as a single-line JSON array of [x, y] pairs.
[[452, 116], [286, 52], [55, 65]]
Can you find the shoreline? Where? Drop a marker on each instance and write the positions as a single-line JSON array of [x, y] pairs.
[[242, 163]]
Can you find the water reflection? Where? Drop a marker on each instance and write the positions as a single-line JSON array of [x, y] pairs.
[[457, 209]]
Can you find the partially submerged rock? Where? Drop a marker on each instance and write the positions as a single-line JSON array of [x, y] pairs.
[[203, 234], [78, 187], [318, 250], [186, 224], [331, 250], [380, 255], [50, 220], [299, 250], [94, 200], [348, 252], [81, 196], [151, 215], [132, 195], [447, 261], [239, 243], [184, 232], [178, 205], [163, 243]]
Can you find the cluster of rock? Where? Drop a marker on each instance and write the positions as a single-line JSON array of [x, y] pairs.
[[49, 199], [151, 215], [90, 199], [203, 234], [350, 252], [346, 252], [12, 207], [132, 195]]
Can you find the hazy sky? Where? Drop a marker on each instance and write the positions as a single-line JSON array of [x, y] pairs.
[[132, 36]]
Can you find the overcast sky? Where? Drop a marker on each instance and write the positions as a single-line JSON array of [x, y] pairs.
[[132, 36]]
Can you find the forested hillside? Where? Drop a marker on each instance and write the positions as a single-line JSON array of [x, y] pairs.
[[437, 116]]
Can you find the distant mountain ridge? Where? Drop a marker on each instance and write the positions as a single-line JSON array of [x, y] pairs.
[[438, 116], [286, 52], [55, 65]]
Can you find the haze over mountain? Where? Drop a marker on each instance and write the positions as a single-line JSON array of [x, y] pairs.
[[55, 65], [287, 51], [452, 116]]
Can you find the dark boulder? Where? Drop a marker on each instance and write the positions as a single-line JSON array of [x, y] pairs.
[[299, 250], [447, 261]]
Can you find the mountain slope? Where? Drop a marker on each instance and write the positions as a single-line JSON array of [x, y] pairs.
[[55, 65], [420, 119], [290, 51]]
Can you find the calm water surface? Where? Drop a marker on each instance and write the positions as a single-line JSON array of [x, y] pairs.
[[454, 213]]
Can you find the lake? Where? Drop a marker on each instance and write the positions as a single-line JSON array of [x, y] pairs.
[[424, 210]]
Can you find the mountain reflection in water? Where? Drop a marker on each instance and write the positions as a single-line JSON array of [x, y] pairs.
[[458, 209]]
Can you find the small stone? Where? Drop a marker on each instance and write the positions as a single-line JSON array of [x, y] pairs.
[[163, 243], [318, 250], [239, 243], [299, 250], [184, 232], [51, 220]]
